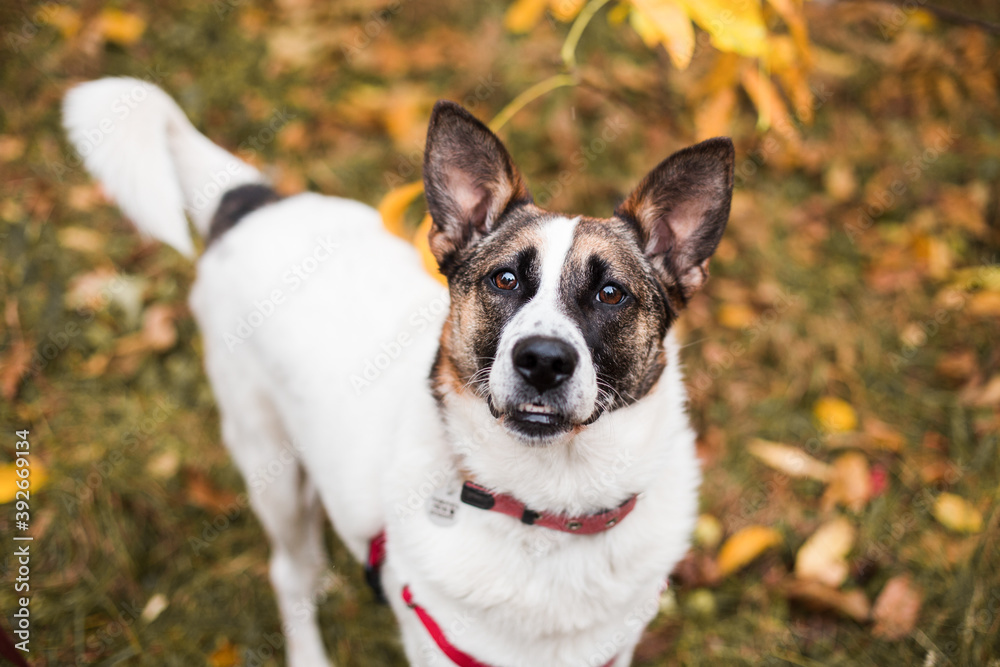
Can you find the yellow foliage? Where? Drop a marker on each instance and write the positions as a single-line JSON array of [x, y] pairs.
[[121, 27], [523, 15], [736, 315], [64, 19], [565, 10], [835, 415], [744, 546], [394, 204], [737, 27], [957, 513], [665, 22]]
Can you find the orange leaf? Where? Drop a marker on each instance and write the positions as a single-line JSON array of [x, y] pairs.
[[566, 10], [835, 415], [37, 477], [790, 460], [394, 205], [744, 546], [714, 116], [421, 243], [850, 483], [771, 109]]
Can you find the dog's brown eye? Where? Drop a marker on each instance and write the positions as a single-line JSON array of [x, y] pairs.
[[611, 295], [505, 280]]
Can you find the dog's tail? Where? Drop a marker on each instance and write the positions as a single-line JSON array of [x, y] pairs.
[[139, 144]]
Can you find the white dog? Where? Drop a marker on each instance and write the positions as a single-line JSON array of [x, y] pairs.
[[512, 457]]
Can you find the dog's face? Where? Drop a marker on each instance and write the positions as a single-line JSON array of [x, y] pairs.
[[556, 320]]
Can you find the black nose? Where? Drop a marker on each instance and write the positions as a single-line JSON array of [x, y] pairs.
[[544, 362]]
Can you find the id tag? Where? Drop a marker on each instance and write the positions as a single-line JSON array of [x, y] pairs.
[[443, 504]]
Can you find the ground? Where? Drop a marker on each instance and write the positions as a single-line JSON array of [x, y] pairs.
[[851, 321]]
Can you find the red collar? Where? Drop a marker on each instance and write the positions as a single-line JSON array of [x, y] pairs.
[[483, 498]]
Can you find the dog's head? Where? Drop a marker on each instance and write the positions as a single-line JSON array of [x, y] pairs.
[[558, 319]]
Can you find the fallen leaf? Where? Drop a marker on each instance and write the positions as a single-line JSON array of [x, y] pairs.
[[394, 205], [225, 655], [850, 483], [11, 147], [883, 436], [65, 19], [121, 27], [789, 460], [853, 604], [985, 304], [201, 491], [839, 180], [15, 366], [566, 10], [897, 609], [744, 546], [736, 315], [708, 531], [80, 239], [823, 556], [835, 415], [957, 514], [37, 477], [984, 396], [154, 607], [158, 330]]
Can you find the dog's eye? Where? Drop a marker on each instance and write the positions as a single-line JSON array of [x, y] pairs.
[[505, 280], [611, 294]]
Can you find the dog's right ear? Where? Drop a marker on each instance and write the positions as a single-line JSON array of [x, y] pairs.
[[469, 181]]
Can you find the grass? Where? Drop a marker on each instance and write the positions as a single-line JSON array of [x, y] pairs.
[[143, 504]]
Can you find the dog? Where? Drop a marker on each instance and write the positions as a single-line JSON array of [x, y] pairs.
[[511, 456]]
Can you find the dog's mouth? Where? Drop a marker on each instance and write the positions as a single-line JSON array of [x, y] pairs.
[[535, 420]]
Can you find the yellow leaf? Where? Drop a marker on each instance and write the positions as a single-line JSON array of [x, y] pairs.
[[394, 205], [524, 15], [81, 239], [956, 513], [771, 109], [8, 479], [835, 415], [789, 460], [667, 23], [823, 556], [744, 546], [64, 19], [121, 27], [985, 303], [422, 245], [566, 10], [736, 315], [736, 27]]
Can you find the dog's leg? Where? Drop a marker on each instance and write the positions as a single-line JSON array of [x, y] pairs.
[[281, 494]]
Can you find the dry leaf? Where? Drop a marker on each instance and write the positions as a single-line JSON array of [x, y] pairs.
[[735, 27], [789, 460], [850, 483], [956, 513], [708, 531], [883, 436], [158, 330], [744, 546], [823, 556], [897, 609], [839, 180], [121, 27], [154, 607], [80, 239], [566, 10], [835, 415], [985, 304], [11, 147], [226, 655], [203, 493], [15, 366], [714, 116], [771, 109], [853, 604], [65, 19]]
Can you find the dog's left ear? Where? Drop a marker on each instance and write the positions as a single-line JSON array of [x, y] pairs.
[[469, 180], [681, 209]]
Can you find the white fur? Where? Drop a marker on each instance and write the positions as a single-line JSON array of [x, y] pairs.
[[330, 388], [150, 159]]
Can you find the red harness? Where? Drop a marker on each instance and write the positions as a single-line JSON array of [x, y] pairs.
[[478, 496]]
